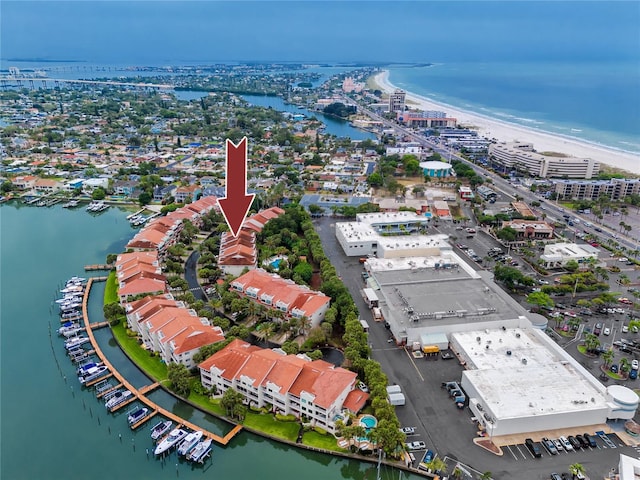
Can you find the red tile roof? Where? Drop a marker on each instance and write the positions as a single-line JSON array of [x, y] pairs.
[[230, 359], [355, 400]]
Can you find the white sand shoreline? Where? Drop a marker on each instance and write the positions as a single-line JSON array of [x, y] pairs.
[[508, 132]]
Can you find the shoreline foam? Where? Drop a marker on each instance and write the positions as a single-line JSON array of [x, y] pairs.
[[504, 131]]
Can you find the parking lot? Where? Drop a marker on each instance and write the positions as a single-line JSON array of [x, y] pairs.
[[443, 428]]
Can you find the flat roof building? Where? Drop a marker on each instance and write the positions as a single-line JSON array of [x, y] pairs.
[[396, 101], [614, 189], [558, 254], [520, 156], [519, 380]]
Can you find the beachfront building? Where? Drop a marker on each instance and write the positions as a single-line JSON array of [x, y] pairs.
[[287, 384], [435, 169], [521, 157], [277, 293], [558, 254], [465, 192], [425, 119], [530, 231], [614, 189], [396, 101]]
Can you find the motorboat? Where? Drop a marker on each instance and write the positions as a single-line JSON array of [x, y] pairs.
[[189, 442], [176, 435], [117, 398], [200, 451], [68, 327], [84, 368], [75, 342], [137, 415], [93, 374], [159, 429]]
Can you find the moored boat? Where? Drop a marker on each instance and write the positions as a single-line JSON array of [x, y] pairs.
[[75, 342], [159, 429], [200, 451], [93, 374], [117, 398], [137, 415], [176, 435], [189, 442], [83, 369]]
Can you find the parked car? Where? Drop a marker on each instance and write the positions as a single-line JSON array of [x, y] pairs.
[[558, 444], [555, 476], [614, 368], [548, 444], [625, 329], [598, 329], [634, 364], [583, 442], [591, 440], [566, 444], [533, 447], [416, 445], [574, 442], [606, 331], [633, 374], [408, 430]]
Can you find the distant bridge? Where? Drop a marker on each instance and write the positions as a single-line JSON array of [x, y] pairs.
[[7, 80]]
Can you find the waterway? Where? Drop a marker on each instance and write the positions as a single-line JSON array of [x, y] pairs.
[[50, 428]]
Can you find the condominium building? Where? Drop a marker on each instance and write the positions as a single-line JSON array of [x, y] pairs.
[[614, 189], [396, 101], [288, 384], [521, 157], [425, 119]]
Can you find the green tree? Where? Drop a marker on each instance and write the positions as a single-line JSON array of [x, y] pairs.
[[144, 198], [572, 266], [99, 194], [540, 299], [375, 180], [507, 234], [607, 357], [231, 400], [575, 469], [305, 271], [179, 377]]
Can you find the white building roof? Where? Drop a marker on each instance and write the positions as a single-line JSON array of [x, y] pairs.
[[533, 379]]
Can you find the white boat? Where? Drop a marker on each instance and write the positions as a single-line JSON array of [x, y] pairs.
[[159, 429], [137, 415], [83, 369], [200, 451], [67, 327], [170, 441], [117, 398], [69, 298], [189, 442], [93, 374], [66, 307], [73, 289], [75, 342]]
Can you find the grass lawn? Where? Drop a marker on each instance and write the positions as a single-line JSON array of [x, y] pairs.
[[269, 425], [582, 349], [204, 402], [111, 289], [327, 442], [153, 366]]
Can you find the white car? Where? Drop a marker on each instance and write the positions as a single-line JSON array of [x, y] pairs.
[[625, 329], [416, 446], [566, 444], [408, 430], [606, 331], [558, 445], [634, 364]]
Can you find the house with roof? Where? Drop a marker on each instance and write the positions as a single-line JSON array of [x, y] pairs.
[[139, 273], [45, 185], [277, 293], [162, 192], [190, 191], [125, 187], [26, 182], [288, 384]]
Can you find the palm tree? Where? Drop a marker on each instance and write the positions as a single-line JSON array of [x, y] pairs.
[[485, 476], [607, 357], [576, 469], [624, 364], [305, 323], [457, 472], [437, 465]]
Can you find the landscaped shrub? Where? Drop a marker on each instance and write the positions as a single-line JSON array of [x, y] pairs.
[[319, 430], [286, 418]]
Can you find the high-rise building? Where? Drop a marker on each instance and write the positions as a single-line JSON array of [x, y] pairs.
[[396, 101]]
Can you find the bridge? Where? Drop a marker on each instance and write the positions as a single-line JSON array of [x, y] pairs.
[[7, 80]]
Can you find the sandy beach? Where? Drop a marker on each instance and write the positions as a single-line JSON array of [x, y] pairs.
[[508, 132]]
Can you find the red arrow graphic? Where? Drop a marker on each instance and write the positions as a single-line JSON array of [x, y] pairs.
[[236, 204]]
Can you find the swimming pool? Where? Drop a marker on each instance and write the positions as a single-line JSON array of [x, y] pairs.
[[276, 263], [368, 422]]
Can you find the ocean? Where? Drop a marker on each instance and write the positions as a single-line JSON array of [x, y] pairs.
[[51, 428], [598, 102]]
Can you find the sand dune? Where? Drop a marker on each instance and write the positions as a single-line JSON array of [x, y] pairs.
[[503, 131]]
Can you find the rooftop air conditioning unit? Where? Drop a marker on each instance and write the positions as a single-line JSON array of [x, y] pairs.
[[524, 361]]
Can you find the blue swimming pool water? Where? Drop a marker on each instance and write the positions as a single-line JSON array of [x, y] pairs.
[[368, 422], [276, 263]]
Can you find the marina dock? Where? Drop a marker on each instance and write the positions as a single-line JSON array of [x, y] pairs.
[[99, 266], [139, 393]]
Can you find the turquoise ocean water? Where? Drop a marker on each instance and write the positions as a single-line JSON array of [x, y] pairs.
[[51, 428], [598, 102]]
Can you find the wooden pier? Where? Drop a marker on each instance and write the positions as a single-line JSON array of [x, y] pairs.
[[98, 380], [139, 394], [123, 404], [148, 388], [107, 392], [99, 266], [98, 325]]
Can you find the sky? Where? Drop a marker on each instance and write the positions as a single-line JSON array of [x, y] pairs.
[[147, 32]]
